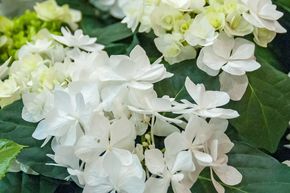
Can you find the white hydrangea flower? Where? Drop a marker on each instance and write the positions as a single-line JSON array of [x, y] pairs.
[[125, 74], [170, 45], [147, 102], [49, 11], [263, 14], [168, 170], [194, 138], [133, 10], [234, 56], [227, 174], [102, 139], [78, 40], [135, 71], [164, 19], [200, 32], [70, 110], [110, 175], [36, 106], [206, 102], [64, 156], [138, 12]]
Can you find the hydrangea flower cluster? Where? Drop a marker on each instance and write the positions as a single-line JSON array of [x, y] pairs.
[[20, 30], [40, 65], [183, 26], [215, 26], [103, 117]]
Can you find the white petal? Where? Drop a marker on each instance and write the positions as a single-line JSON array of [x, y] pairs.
[[100, 188], [133, 185], [219, 188], [4, 69], [195, 124], [183, 162], [228, 175], [212, 60], [234, 69], [122, 134], [235, 86], [202, 157], [180, 188], [223, 45], [63, 101], [175, 143], [124, 156], [202, 66], [154, 161], [154, 185], [218, 125], [269, 12], [212, 99], [139, 56], [88, 148], [219, 113], [195, 91], [243, 49], [162, 128]]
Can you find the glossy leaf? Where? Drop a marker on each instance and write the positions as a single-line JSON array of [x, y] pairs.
[[8, 152], [23, 183], [265, 108]]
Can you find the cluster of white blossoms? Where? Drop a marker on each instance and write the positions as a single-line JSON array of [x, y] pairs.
[[107, 125], [184, 26], [41, 65], [50, 11]]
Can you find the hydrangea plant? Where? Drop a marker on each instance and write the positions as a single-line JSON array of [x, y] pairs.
[[101, 110]]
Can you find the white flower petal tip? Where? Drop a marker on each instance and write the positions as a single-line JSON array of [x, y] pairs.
[[78, 40], [235, 86]]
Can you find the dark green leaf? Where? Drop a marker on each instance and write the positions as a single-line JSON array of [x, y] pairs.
[[23, 183], [12, 127], [285, 4], [8, 152], [108, 34], [265, 108]]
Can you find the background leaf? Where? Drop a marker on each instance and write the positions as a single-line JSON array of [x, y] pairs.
[[8, 152], [265, 108], [108, 34], [23, 183], [13, 127]]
